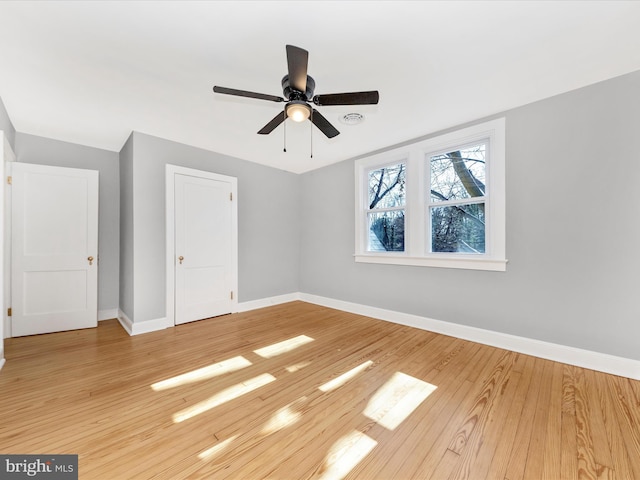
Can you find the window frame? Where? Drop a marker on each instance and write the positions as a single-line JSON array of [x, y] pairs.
[[416, 157]]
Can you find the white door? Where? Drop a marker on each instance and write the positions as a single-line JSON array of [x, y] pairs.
[[203, 248], [54, 275]]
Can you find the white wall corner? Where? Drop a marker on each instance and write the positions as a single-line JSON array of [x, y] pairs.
[[601, 362], [268, 302], [108, 314], [2, 362], [126, 323]]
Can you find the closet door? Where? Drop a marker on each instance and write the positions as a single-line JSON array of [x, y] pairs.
[[203, 248], [54, 249]]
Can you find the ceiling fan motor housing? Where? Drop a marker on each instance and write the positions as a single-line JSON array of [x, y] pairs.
[[292, 94]]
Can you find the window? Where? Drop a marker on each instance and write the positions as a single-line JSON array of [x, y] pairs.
[[385, 215], [439, 202]]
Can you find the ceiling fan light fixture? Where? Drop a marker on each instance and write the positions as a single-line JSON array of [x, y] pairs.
[[298, 111]]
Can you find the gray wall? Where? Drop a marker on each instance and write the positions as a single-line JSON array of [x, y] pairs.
[[7, 127], [573, 170], [44, 151], [268, 222], [126, 229]]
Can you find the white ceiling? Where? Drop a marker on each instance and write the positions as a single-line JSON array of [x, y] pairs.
[[90, 72]]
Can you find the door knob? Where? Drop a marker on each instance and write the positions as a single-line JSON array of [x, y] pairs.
[[181, 258], [90, 260]]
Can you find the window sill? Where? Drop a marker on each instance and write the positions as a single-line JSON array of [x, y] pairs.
[[495, 265]]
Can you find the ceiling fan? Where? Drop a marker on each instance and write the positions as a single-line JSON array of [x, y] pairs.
[[297, 88]]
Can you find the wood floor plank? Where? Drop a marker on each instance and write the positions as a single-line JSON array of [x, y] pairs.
[[588, 468], [623, 466], [151, 407], [443, 461], [491, 399], [488, 432], [599, 435], [568, 435], [627, 418], [552, 457], [504, 441], [525, 430], [535, 455]]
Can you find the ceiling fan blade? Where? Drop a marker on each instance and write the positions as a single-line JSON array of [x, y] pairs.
[[275, 121], [297, 61], [354, 98], [323, 124], [244, 93]]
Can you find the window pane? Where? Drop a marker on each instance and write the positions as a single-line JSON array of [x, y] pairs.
[[458, 174], [458, 229], [386, 187], [386, 231]]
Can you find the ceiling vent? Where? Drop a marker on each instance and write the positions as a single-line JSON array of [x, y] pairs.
[[352, 119]]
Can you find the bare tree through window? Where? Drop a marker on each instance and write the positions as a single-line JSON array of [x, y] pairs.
[[457, 180], [386, 208]]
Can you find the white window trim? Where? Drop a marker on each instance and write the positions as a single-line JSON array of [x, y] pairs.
[[416, 228]]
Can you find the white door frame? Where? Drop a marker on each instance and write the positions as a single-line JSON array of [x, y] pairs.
[[7, 158], [171, 171]]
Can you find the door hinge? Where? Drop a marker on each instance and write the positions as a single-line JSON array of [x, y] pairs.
[[231, 196], [9, 179], [231, 294], [9, 312]]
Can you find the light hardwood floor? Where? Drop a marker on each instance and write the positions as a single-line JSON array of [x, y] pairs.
[[344, 396]]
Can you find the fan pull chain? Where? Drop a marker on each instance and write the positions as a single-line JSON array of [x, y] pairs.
[[311, 119], [285, 131]]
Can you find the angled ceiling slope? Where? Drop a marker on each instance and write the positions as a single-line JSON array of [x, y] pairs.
[[91, 72]]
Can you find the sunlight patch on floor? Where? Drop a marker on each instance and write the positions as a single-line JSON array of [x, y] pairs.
[[345, 377], [397, 399], [283, 347], [223, 396], [284, 417], [216, 449], [204, 373], [345, 454], [297, 366]]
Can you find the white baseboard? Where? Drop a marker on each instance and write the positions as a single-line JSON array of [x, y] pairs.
[[601, 362], [136, 328], [149, 326], [267, 302], [107, 314]]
